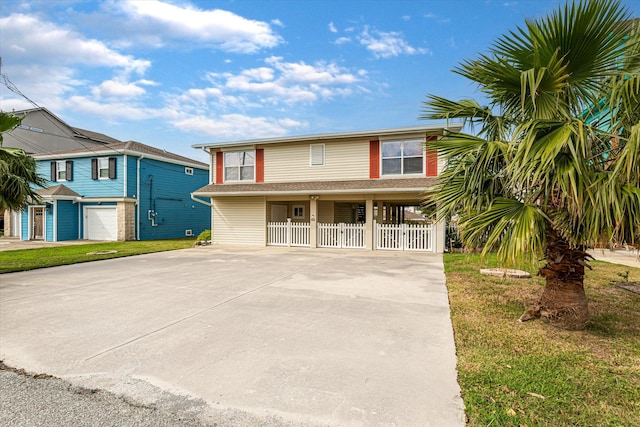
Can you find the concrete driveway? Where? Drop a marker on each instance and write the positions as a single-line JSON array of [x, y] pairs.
[[293, 335]]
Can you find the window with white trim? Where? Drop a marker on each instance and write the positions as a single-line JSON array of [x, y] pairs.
[[316, 154], [103, 168], [61, 170], [239, 165], [298, 211], [402, 157], [188, 170]]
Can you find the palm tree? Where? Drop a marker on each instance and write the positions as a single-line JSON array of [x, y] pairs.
[[551, 167], [18, 174]]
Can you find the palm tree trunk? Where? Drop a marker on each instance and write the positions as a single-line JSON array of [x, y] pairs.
[[563, 302]]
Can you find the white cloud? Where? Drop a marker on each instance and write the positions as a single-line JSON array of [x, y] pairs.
[[282, 82], [110, 110], [342, 40], [437, 18], [224, 29], [332, 28], [32, 40], [237, 126], [388, 44], [117, 89]]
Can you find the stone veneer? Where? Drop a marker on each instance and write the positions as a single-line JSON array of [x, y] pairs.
[[126, 221]]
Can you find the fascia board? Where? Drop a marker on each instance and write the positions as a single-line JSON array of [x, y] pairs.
[[382, 133]]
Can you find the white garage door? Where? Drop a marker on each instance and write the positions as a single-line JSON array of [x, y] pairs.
[[101, 223]]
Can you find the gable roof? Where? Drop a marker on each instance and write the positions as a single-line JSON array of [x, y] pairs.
[[57, 190], [130, 147]]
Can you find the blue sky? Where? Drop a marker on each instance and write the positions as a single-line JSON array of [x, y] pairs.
[[172, 73]]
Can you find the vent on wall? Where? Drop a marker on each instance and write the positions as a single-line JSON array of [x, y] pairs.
[[188, 233], [188, 170]]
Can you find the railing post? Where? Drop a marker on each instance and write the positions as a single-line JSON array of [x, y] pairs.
[[288, 231]]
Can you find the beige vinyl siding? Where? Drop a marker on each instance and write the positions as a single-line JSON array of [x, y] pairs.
[[343, 160], [325, 212], [343, 212], [239, 221]]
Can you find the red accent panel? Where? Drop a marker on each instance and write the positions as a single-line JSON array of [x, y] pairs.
[[431, 165], [374, 159], [259, 164], [219, 167]]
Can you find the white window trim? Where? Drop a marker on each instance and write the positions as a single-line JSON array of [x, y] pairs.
[[293, 210], [224, 167], [188, 170], [105, 160], [324, 151], [399, 175], [59, 169]]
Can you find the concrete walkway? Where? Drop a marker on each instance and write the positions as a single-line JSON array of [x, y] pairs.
[[629, 258], [317, 337]]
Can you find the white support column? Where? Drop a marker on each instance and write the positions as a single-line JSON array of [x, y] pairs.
[[440, 236], [313, 221], [369, 223]]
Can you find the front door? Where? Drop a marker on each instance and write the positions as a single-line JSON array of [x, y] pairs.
[[37, 232]]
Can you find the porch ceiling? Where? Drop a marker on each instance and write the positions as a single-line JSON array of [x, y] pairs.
[[369, 186]]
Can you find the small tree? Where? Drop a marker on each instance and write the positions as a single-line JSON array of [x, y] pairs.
[[553, 166], [18, 174]]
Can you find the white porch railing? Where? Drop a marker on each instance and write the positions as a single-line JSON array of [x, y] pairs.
[[288, 233], [349, 236], [405, 237]]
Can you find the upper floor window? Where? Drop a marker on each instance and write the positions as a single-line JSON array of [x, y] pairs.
[[316, 154], [61, 173], [62, 170], [239, 165], [103, 168], [402, 158]]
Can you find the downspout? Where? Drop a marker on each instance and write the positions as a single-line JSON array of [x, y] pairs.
[[138, 197], [195, 199], [125, 176], [55, 220]]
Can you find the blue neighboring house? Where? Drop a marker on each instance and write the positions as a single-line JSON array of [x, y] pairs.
[[121, 191], [104, 189]]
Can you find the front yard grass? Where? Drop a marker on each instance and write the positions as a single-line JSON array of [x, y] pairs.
[[532, 374], [29, 259]]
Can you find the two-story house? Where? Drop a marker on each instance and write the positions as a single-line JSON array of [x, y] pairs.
[[338, 190], [103, 189]]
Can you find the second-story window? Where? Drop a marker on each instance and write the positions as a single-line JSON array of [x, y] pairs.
[[239, 166], [62, 170], [402, 158], [103, 168]]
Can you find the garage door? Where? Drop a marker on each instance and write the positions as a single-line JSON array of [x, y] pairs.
[[101, 223]]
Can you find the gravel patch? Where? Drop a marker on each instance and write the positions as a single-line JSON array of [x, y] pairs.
[[28, 400]]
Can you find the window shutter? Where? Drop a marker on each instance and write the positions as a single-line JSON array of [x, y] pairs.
[[219, 167], [69, 170], [259, 164], [374, 159], [431, 161], [112, 168], [54, 172], [94, 168]]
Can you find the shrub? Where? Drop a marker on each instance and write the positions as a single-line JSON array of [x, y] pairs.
[[205, 235]]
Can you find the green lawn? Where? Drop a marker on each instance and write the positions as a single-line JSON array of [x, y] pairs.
[[532, 374], [29, 259]]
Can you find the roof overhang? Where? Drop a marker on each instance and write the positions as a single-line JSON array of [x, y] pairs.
[[434, 129]]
